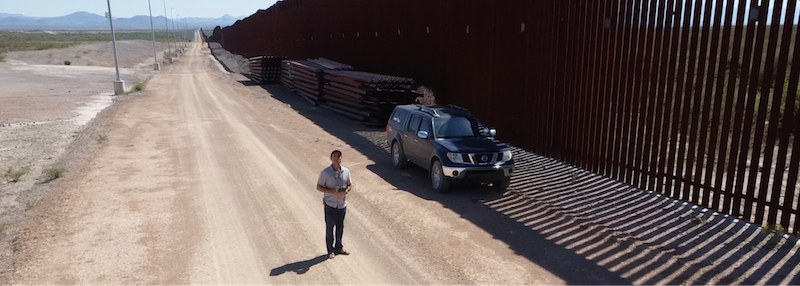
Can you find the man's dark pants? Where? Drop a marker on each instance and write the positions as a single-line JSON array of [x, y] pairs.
[[334, 218]]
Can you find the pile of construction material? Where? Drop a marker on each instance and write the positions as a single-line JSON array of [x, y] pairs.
[[365, 96], [331, 65], [286, 75], [266, 69], [305, 77]]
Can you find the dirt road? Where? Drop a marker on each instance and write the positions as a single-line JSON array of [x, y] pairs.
[[202, 182]]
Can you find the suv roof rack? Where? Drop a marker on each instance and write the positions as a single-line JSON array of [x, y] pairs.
[[456, 107], [429, 110]]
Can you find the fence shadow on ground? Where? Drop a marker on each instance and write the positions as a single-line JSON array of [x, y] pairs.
[[585, 228], [640, 235]]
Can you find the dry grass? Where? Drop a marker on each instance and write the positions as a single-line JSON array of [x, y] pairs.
[[139, 87], [52, 173], [101, 138], [427, 98], [12, 176], [36, 41], [11, 45]]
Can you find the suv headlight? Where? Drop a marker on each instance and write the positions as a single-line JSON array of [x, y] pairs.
[[506, 156], [456, 157]]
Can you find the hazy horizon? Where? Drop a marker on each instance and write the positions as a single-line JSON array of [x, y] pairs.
[[129, 8]]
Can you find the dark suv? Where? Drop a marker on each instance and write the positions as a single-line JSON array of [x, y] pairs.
[[450, 143]]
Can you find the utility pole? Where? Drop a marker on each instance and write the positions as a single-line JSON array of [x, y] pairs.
[[156, 66], [119, 85]]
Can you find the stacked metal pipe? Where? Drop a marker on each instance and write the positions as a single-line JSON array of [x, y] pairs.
[[286, 75], [305, 76], [331, 65], [365, 96], [266, 69]]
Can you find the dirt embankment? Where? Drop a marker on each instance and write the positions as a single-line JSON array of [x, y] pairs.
[[232, 62]]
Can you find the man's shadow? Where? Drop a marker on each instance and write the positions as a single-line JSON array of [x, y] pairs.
[[298, 267]]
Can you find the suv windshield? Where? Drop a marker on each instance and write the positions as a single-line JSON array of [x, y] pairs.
[[458, 127]]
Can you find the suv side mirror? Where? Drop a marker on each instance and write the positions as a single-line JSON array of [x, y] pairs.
[[493, 132], [422, 134]]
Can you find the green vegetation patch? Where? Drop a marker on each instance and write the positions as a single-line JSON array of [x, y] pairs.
[[13, 46], [11, 41]]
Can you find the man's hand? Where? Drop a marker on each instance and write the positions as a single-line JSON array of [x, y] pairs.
[[334, 192], [337, 192], [347, 191]]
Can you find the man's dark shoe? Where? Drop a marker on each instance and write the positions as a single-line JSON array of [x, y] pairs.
[[341, 252]]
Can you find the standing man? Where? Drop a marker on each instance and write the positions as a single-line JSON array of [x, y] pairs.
[[334, 182]]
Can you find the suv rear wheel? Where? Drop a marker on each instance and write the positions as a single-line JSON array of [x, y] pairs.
[[398, 157], [439, 181]]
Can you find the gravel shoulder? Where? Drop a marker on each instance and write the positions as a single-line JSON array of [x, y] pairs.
[[231, 62]]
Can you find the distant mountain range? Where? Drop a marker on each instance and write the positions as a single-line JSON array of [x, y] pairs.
[[4, 15], [89, 21]]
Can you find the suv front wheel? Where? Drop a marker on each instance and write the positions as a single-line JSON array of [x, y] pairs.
[[502, 185], [439, 181], [398, 157]]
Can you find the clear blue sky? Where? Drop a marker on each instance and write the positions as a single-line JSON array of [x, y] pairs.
[[129, 8]]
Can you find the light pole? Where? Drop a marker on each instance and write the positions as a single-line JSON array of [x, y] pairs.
[[172, 12], [180, 31], [156, 66], [119, 85], [188, 31], [169, 38], [185, 31]]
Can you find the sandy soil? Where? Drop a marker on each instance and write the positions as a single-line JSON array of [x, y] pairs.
[[44, 108], [208, 179], [131, 54]]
